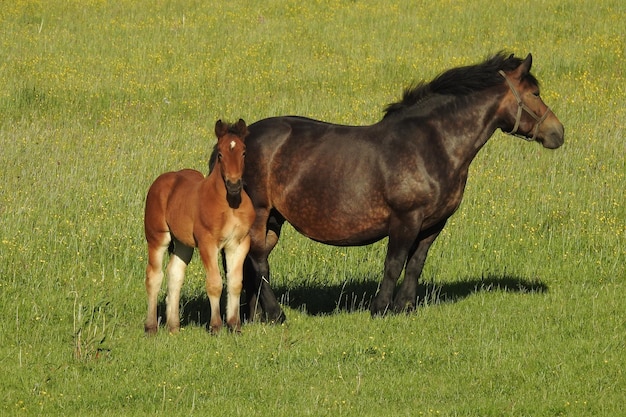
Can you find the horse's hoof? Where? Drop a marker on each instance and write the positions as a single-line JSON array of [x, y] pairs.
[[280, 319], [403, 307], [379, 308], [379, 312], [276, 317]]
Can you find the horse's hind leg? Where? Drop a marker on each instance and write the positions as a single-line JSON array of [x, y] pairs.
[[264, 236], [179, 259]]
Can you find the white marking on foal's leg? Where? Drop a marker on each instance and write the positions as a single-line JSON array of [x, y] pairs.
[[154, 278], [175, 277], [235, 285], [235, 257]]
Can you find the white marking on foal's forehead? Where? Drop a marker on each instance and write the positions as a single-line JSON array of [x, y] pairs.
[[232, 145]]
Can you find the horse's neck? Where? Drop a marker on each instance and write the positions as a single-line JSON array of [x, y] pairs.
[[466, 124]]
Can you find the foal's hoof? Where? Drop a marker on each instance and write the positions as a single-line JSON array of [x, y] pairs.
[[234, 327]]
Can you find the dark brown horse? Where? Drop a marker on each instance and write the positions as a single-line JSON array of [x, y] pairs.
[[402, 177], [185, 210]]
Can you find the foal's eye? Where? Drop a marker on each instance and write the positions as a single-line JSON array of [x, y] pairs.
[[536, 94], [219, 155]]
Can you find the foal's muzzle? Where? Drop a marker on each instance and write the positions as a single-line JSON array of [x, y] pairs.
[[233, 193]]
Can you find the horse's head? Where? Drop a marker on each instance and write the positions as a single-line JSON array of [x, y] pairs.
[[231, 150], [524, 113]]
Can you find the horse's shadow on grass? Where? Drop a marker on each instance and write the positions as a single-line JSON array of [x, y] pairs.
[[356, 295]]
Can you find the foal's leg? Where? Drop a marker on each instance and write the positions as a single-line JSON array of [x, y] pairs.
[[179, 260], [154, 278], [407, 294], [235, 258], [209, 255]]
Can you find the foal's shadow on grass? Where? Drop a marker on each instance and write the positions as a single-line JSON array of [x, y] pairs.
[[194, 310], [349, 297], [357, 296]]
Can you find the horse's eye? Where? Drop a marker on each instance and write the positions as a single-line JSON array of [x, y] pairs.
[[536, 94], [243, 155], [219, 155]]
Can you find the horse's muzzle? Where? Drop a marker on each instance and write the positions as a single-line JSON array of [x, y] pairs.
[[554, 137]]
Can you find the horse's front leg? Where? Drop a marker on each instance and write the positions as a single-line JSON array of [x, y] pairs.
[[402, 233], [235, 258], [407, 294], [209, 255]]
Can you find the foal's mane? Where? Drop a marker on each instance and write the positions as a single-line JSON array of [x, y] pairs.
[[461, 81], [234, 129]]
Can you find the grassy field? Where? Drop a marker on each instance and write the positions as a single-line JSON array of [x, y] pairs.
[[522, 304]]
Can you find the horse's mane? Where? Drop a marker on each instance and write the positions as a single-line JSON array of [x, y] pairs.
[[461, 81]]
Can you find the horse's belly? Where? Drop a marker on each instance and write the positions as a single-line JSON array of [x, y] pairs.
[[338, 227]]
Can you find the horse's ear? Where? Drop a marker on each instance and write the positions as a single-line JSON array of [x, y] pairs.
[[526, 64], [242, 128], [529, 60], [524, 68], [220, 129]]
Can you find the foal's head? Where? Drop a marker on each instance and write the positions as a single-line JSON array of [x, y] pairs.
[[230, 151]]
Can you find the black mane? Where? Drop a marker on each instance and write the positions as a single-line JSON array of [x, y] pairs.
[[461, 81], [236, 129]]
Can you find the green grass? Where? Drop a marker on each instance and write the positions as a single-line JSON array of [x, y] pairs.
[[521, 309]]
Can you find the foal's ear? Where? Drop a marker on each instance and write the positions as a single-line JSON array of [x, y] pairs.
[[220, 129], [242, 129]]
